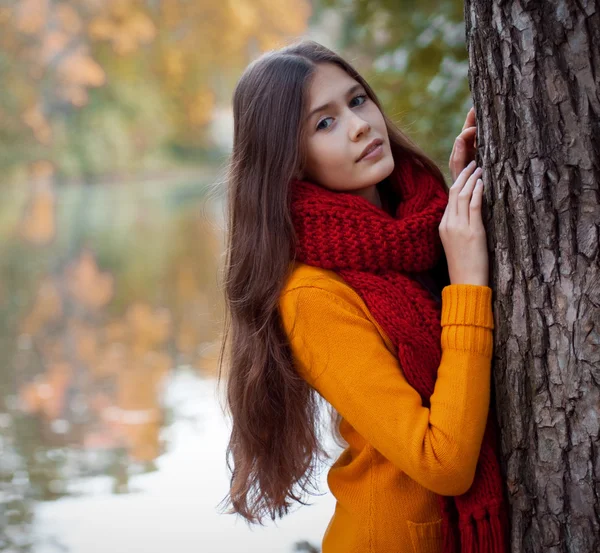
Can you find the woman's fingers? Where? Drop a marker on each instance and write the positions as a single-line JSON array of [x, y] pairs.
[[452, 210], [463, 151], [475, 220], [464, 196], [470, 120]]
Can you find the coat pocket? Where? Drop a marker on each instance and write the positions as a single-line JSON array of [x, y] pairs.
[[426, 537]]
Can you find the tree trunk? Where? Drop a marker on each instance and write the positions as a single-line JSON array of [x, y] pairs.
[[535, 80]]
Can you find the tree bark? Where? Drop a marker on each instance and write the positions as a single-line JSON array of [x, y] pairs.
[[535, 79]]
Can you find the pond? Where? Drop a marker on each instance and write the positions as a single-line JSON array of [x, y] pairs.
[[174, 507]]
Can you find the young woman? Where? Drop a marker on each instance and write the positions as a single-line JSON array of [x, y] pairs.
[[354, 275]]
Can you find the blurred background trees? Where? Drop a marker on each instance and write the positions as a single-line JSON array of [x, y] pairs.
[[118, 86]]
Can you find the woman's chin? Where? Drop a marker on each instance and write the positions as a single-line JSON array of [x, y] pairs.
[[379, 171]]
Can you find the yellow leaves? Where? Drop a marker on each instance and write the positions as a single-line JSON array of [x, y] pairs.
[[201, 108], [124, 26], [87, 284], [245, 16], [174, 65], [170, 12], [271, 22], [288, 18]]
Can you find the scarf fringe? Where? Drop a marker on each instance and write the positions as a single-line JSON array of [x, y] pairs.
[[480, 532], [449, 536]]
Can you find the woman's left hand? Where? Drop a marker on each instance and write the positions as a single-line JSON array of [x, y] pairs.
[[465, 146]]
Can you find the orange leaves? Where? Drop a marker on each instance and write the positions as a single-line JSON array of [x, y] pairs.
[[85, 342], [36, 120], [69, 19], [78, 72], [87, 284], [38, 224], [46, 308], [117, 368], [56, 46], [149, 328], [174, 50], [31, 16], [46, 394], [111, 352], [124, 26]]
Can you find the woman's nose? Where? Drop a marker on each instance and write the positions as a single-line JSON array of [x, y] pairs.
[[358, 126]]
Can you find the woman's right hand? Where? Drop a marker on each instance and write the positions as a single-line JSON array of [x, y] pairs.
[[462, 231]]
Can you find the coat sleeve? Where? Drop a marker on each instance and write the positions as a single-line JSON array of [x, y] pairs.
[[342, 354]]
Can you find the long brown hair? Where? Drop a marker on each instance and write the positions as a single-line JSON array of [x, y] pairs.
[[275, 439]]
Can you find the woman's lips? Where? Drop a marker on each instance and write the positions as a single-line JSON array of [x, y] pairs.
[[374, 153]]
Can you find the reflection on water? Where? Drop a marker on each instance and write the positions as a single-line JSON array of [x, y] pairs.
[[104, 446], [173, 507]]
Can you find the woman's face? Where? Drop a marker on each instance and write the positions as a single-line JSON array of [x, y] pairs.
[[338, 133]]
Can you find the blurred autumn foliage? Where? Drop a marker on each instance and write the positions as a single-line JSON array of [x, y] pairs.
[[109, 257], [103, 87], [95, 335]]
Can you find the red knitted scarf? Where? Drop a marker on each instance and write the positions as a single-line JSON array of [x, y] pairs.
[[375, 254]]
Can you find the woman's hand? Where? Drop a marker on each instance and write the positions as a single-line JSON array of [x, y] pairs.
[[462, 231], [465, 146]]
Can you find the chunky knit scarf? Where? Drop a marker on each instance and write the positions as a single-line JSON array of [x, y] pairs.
[[386, 260]]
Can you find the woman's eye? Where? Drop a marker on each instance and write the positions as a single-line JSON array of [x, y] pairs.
[[361, 97], [320, 125]]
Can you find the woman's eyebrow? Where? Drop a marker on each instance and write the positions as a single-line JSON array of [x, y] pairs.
[[351, 90]]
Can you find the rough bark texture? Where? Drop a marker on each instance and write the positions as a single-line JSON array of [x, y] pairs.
[[535, 79]]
